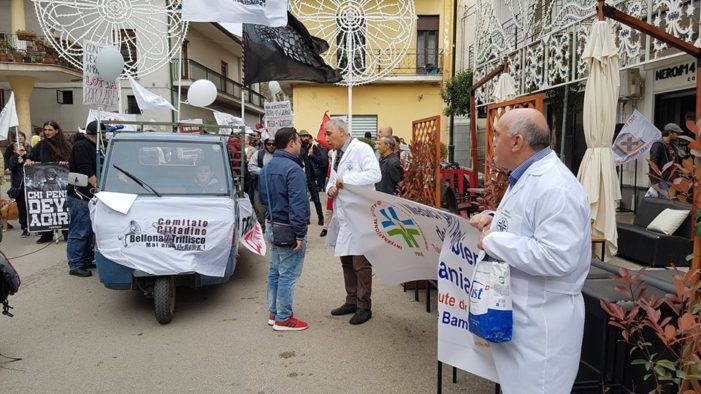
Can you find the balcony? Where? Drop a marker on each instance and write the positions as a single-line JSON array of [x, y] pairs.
[[229, 90], [32, 56]]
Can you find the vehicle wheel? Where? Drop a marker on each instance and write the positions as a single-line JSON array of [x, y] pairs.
[[164, 299]]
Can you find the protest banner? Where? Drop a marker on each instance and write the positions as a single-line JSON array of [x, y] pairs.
[[278, 115], [45, 190], [188, 234], [407, 241], [636, 137], [96, 91], [112, 117], [250, 231]]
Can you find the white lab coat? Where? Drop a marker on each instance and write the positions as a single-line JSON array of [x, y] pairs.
[[542, 229], [358, 167]]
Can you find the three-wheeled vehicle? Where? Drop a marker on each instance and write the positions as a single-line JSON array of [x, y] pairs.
[[168, 217]]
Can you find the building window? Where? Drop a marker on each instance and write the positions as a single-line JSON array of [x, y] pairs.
[[64, 96], [225, 74], [132, 105], [185, 60], [128, 48], [427, 44]]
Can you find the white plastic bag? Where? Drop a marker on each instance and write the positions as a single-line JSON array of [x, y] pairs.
[[491, 314]]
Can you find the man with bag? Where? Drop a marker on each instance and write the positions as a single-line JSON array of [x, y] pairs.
[[542, 230], [283, 189], [354, 163]]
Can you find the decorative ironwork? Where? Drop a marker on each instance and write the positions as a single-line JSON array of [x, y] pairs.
[[548, 37], [148, 32], [422, 178], [375, 34]]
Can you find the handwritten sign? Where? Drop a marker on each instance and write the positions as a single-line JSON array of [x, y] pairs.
[[278, 115], [96, 91]]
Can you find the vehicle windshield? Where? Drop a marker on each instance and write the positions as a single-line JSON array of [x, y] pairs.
[[171, 168]]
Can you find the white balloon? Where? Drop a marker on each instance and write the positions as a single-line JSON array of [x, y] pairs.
[[274, 87], [109, 63], [202, 93]]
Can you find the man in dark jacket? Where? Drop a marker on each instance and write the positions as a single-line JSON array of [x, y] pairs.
[[310, 165], [80, 235], [390, 166], [661, 153], [283, 189]]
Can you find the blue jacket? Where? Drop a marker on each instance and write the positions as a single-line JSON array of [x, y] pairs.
[[288, 191]]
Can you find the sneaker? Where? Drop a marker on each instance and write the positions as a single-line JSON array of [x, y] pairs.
[[290, 324], [25, 233], [323, 233], [271, 320]]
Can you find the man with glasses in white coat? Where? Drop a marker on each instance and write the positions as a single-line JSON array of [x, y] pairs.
[[353, 163]]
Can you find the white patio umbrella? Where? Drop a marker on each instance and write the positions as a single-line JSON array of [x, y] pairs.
[[505, 88], [597, 171]]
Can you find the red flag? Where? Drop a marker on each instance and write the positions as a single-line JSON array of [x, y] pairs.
[[321, 135]]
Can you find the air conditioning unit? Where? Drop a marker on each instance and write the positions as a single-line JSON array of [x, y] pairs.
[[631, 84]]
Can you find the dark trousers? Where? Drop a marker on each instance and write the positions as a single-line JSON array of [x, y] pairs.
[[22, 210], [314, 193], [357, 275], [321, 179]]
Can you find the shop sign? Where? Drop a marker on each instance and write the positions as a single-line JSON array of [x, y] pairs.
[[679, 76]]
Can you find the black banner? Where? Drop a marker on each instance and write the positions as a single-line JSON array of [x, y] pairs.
[[285, 53], [45, 187]]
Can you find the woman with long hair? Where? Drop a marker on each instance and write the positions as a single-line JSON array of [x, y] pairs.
[[54, 148]]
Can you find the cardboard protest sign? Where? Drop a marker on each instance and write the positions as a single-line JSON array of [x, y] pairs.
[[96, 91], [45, 188], [278, 115]]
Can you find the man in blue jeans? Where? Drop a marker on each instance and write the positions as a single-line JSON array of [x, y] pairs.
[[283, 189], [80, 235]]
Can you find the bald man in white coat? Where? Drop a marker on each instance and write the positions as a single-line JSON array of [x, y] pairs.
[[542, 230]]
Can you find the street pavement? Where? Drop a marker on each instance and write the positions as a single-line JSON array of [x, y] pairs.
[[75, 335]]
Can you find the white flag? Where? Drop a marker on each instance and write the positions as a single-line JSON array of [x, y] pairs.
[[8, 117], [223, 119], [636, 137], [147, 99], [258, 12]]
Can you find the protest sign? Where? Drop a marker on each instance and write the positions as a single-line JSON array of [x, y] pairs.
[[45, 188], [636, 137], [184, 234], [407, 241], [112, 117], [250, 231], [96, 91], [278, 115]]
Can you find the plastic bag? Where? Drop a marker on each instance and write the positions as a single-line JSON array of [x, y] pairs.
[[491, 314]]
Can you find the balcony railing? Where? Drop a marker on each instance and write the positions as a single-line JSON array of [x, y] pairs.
[[193, 71], [29, 49]]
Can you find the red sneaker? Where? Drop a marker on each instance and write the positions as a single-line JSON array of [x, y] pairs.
[[290, 324], [271, 320]]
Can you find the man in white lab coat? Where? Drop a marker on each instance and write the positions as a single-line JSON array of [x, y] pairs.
[[353, 163], [542, 230]]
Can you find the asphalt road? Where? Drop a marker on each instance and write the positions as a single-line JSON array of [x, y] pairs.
[[74, 335]]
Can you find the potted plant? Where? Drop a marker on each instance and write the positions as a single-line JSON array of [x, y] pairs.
[[5, 51], [26, 35], [18, 55]]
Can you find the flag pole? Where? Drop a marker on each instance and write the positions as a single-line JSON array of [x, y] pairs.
[[97, 146], [180, 80], [349, 53]]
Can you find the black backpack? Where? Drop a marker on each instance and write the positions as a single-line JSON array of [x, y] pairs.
[[9, 283]]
